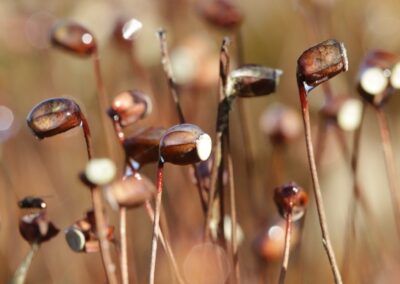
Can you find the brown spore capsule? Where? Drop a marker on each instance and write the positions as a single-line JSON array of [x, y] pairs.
[[54, 116], [36, 228], [252, 80], [185, 144], [82, 235], [130, 106], [220, 13], [143, 147], [291, 199], [321, 62], [73, 37], [32, 202], [130, 192]]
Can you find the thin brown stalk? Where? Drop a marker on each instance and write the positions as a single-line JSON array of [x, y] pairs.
[[285, 261], [317, 191], [124, 246], [246, 135], [156, 222], [166, 245], [213, 186], [20, 274], [231, 186], [222, 119], [108, 264], [390, 165], [101, 225], [173, 88], [88, 139]]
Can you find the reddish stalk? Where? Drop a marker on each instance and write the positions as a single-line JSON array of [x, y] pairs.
[[317, 191], [86, 134], [390, 165], [156, 223], [286, 253]]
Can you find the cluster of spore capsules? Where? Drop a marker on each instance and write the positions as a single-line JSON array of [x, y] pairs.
[[187, 144]]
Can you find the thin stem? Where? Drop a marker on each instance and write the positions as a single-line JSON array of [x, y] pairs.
[[103, 104], [101, 225], [231, 185], [285, 261], [173, 88], [222, 123], [213, 186], [108, 264], [317, 191], [156, 222], [88, 139], [166, 245], [124, 246], [390, 165], [20, 274], [162, 35]]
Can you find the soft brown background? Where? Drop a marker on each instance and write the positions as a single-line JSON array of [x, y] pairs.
[[275, 32]]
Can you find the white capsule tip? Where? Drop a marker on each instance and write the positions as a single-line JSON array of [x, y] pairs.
[[100, 171]]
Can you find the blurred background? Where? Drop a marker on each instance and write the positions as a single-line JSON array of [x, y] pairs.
[[273, 33]]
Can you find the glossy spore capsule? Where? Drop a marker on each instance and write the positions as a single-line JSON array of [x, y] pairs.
[[291, 199], [32, 202], [252, 80], [82, 235], [321, 62], [143, 147], [54, 116], [130, 192], [73, 37], [185, 144], [130, 106], [36, 228]]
